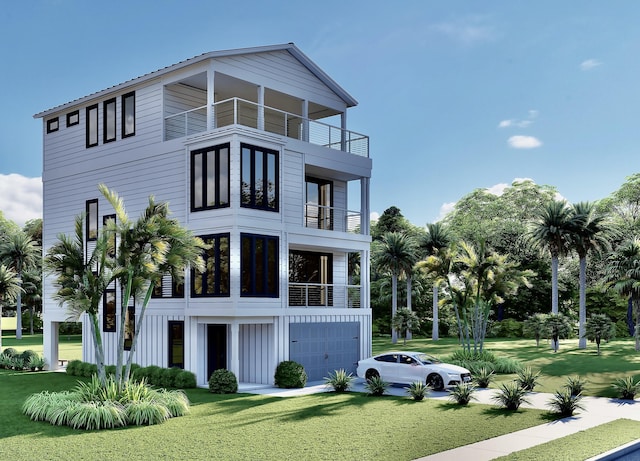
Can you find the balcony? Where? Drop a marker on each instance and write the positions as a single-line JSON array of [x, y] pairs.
[[236, 111], [324, 295], [331, 218]]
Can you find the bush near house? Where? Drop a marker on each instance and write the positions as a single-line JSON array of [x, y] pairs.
[[223, 381], [153, 375], [290, 374]]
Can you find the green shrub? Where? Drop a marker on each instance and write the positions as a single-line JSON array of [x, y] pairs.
[[483, 377], [339, 380], [140, 373], [507, 366], [17, 362], [6, 361], [168, 376], [185, 380], [511, 396], [153, 374], [289, 375], [73, 367], [471, 356], [375, 386], [110, 370], [223, 381], [507, 328], [627, 388], [10, 352], [418, 390], [462, 393], [565, 403], [527, 379], [36, 363]]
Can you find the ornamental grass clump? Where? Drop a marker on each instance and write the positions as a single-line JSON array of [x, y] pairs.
[[483, 377], [575, 385], [105, 405], [527, 379], [339, 380], [511, 396], [627, 388], [376, 386], [565, 403], [418, 390], [462, 393]]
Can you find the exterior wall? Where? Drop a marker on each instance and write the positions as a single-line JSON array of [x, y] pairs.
[[144, 165]]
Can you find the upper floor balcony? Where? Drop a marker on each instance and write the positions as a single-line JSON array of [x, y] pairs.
[[237, 111]]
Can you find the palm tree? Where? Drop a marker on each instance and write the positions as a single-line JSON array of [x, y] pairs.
[[149, 248], [395, 254], [623, 274], [599, 327], [552, 230], [21, 253], [9, 289], [80, 282], [436, 238], [590, 233]]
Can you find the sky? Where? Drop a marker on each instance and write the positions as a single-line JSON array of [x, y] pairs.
[[454, 95]]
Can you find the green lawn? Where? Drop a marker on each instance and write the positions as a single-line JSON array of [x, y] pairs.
[[323, 426], [70, 346], [618, 359]]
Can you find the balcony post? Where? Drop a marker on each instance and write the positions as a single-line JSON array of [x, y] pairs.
[[343, 131], [211, 100], [235, 349], [305, 121], [261, 108], [365, 211]]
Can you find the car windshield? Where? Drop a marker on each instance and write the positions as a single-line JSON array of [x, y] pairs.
[[427, 359]]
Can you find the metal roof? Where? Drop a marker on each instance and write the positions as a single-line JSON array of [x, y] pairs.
[[290, 47]]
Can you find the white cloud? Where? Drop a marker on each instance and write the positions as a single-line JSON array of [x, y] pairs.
[[20, 198], [505, 123], [532, 114], [445, 208], [524, 142], [374, 216], [589, 64], [467, 31], [497, 189]]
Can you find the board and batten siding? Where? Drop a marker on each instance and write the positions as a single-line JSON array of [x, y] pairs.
[[256, 353]]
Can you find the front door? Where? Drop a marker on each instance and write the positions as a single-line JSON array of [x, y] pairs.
[[216, 348]]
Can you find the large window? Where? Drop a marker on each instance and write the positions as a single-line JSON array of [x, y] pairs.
[[310, 278], [109, 120], [214, 281], [259, 182], [319, 204], [92, 125], [129, 325], [128, 103], [259, 265], [109, 311], [176, 343], [210, 178]]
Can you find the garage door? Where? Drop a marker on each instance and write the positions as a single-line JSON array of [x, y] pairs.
[[325, 347]]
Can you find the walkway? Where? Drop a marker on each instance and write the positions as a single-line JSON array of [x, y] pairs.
[[596, 411]]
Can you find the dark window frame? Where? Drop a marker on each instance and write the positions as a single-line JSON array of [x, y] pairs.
[[177, 289], [89, 121], [71, 116], [249, 266], [171, 340], [253, 202], [127, 101], [88, 221], [130, 326], [108, 317], [220, 289], [53, 125], [108, 123], [204, 184]]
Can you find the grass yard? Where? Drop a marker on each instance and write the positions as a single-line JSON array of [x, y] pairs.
[[618, 359], [242, 426], [70, 346]]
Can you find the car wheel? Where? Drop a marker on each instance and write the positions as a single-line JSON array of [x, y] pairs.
[[371, 373], [434, 380]]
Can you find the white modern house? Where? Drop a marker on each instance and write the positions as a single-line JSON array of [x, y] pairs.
[[251, 149]]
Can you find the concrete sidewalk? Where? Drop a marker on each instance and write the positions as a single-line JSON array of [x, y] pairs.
[[596, 411]]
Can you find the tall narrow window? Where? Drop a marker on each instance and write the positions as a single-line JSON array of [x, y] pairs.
[[111, 250], [214, 280], [210, 178], [109, 311], [109, 120], [259, 181], [319, 204], [128, 103], [259, 266], [176, 343], [92, 125], [91, 231]]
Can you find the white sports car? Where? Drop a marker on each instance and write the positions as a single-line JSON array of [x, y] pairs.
[[407, 367]]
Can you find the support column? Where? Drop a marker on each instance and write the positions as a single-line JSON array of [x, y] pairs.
[[343, 132], [211, 99], [234, 360], [304, 136], [365, 210], [50, 343], [261, 108]]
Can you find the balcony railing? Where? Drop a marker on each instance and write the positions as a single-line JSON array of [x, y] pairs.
[[323, 295], [241, 112], [331, 218]]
